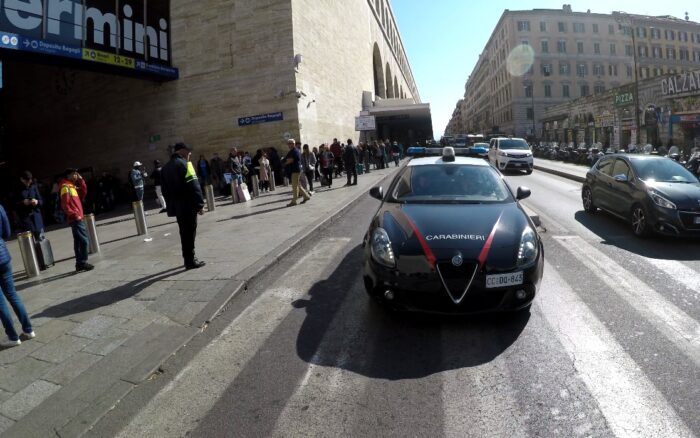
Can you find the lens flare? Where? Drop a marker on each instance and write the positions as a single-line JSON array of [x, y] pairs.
[[520, 60]]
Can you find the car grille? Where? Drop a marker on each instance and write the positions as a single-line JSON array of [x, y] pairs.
[[517, 155], [457, 279], [688, 220]]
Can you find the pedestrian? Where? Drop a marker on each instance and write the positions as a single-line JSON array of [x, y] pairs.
[[395, 153], [29, 203], [350, 157], [265, 172], [337, 151], [7, 284], [234, 166], [156, 176], [293, 170], [317, 174], [308, 162], [136, 178], [183, 195], [73, 191], [326, 158], [367, 156], [217, 172], [203, 171]]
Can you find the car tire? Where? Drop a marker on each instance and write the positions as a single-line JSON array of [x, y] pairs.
[[587, 198], [640, 221]]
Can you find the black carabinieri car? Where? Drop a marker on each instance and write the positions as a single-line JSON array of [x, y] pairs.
[[451, 237]]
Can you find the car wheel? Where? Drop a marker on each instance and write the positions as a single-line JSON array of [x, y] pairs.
[[528, 172], [587, 197], [640, 221]]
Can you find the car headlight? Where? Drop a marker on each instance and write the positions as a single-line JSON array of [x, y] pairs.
[[661, 201], [502, 154], [527, 252], [380, 246]]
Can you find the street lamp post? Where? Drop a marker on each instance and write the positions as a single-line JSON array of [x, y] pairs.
[[636, 77]]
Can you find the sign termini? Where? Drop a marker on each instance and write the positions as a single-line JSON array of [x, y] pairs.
[[133, 28], [686, 83]]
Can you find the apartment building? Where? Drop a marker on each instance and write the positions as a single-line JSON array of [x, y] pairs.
[[574, 54]]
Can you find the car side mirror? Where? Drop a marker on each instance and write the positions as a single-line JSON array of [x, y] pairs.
[[621, 178], [523, 192], [377, 192]]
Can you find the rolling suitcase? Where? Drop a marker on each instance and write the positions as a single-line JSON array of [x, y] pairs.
[[44, 254], [360, 168]]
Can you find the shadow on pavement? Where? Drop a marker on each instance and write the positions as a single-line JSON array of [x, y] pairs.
[[616, 232], [393, 346], [242, 216], [106, 297], [42, 280]]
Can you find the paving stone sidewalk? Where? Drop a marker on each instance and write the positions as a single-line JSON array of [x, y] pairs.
[[101, 333]]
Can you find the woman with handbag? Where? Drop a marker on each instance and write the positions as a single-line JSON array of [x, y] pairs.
[[308, 162], [264, 172]]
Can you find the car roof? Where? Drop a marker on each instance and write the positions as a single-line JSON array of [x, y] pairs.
[[508, 138], [438, 160]]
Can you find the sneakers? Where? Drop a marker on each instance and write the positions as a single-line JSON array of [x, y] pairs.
[[30, 335], [291, 204], [7, 343], [196, 264], [82, 267], [305, 200]]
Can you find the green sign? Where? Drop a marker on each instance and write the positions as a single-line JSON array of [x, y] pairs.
[[154, 138], [624, 98]]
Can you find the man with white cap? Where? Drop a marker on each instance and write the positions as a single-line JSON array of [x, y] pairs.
[[136, 179]]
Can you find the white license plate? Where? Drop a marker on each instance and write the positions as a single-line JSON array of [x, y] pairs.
[[696, 220], [504, 280], [517, 164]]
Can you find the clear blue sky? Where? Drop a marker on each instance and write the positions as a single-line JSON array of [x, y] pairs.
[[443, 38]]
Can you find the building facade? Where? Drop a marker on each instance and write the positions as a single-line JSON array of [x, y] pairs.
[[245, 73], [540, 58]]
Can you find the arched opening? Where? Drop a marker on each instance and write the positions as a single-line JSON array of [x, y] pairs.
[[396, 88], [379, 89], [389, 83]]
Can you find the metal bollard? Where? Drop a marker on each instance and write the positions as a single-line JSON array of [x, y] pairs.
[[256, 186], [286, 181], [140, 218], [93, 240], [26, 247], [209, 193], [234, 191], [271, 181]]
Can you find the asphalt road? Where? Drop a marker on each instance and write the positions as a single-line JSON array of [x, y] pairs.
[[610, 348]]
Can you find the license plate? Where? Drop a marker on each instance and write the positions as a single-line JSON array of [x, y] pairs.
[[517, 164], [696, 220], [504, 280]]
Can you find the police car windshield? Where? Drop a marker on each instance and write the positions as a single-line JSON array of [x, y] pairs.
[[450, 183], [513, 144]]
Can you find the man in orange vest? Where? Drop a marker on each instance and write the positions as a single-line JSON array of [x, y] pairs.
[[73, 191]]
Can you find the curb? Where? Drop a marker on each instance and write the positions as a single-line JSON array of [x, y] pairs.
[[560, 173]]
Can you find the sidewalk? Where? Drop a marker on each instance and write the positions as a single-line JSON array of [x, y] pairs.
[[575, 172], [101, 333]]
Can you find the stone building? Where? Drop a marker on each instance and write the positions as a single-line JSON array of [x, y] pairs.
[[101, 85], [542, 57], [669, 114]]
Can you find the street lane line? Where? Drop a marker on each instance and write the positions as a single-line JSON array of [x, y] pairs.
[[175, 410], [679, 272], [630, 402], [676, 325]]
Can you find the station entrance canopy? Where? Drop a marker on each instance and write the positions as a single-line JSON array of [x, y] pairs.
[[130, 37], [403, 120]]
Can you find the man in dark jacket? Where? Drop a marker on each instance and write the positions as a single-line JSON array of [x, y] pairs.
[[350, 157], [29, 204], [184, 200]]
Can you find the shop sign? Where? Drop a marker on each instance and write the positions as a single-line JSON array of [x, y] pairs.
[[676, 118], [624, 98], [261, 118], [683, 84], [365, 123], [604, 120]]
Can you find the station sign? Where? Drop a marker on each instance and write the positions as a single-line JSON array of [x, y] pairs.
[[261, 118], [365, 123]]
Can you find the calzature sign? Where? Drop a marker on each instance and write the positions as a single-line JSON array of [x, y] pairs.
[[134, 28], [682, 84]]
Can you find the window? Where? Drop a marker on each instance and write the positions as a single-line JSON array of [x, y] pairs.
[[655, 33], [642, 32], [611, 29], [621, 168], [613, 49], [524, 26], [643, 51], [612, 70], [629, 71], [545, 46], [579, 28], [605, 165], [656, 52], [628, 50], [530, 113], [562, 26], [598, 70], [684, 54], [547, 90], [581, 70], [696, 56], [561, 46], [547, 69], [543, 26], [596, 48], [525, 42], [564, 69], [528, 90], [671, 53], [579, 47], [595, 28], [670, 35], [599, 89], [565, 90], [683, 36], [584, 91]]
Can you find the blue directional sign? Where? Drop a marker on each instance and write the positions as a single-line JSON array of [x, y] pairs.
[[9, 41], [49, 48], [261, 118]]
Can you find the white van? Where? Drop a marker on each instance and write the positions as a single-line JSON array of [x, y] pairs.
[[508, 153]]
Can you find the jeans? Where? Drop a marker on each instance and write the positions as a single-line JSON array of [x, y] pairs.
[[7, 285], [351, 172], [139, 193], [80, 242], [310, 179]]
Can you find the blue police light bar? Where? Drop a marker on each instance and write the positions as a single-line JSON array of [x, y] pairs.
[[420, 151]]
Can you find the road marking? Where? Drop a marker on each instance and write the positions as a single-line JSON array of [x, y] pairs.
[[175, 410], [630, 403], [676, 325], [679, 272]]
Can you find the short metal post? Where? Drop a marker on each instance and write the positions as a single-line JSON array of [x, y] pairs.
[[26, 247], [271, 180], [286, 181], [140, 218], [256, 186], [93, 240], [209, 193], [234, 191]]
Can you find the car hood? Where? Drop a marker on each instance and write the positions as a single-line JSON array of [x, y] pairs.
[[685, 196], [486, 233]]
